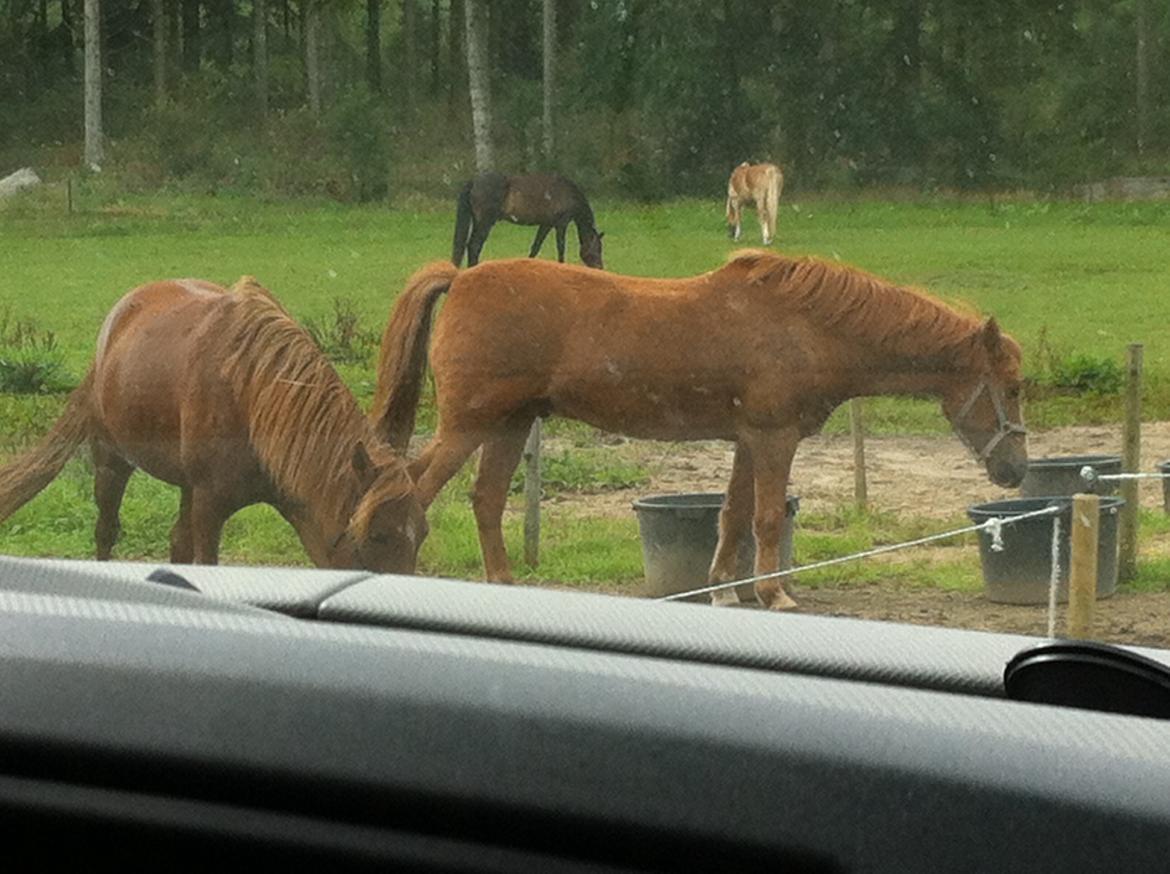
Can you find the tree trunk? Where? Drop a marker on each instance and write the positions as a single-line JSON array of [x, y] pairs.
[[409, 35], [312, 12], [192, 44], [260, 54], [158, 13], [374, 45], [455, 30], [550, 63], [1142, 72], [436, 46], [479, 82], [93, 85]]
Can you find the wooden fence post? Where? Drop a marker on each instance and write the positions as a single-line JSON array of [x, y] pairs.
[[857, 428], [532, 496], [1082, 570], [1127, 523]]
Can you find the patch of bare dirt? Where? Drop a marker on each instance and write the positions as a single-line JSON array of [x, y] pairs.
[[930, 477]]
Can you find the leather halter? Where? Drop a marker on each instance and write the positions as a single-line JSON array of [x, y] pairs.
[[1006, 426]]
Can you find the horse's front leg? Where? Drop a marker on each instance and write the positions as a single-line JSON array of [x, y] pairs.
[[772, 454], [735, 521], [497, 463], [207, 516], [541, 233]]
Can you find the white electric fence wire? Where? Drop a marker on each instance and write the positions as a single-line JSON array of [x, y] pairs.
[[993, 526]]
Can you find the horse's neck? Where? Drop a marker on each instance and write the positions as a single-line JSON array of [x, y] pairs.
[[584, 217]]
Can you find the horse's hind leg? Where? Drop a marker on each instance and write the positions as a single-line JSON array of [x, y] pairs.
[[497, 463], [111, 473], [479, 235], [735, 521], [182, 547], [772, 454], [734, 214], [440, 461], [539, 241]]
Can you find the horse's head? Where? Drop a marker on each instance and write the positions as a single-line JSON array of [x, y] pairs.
[[389, 524], [984, 407], [591, 249]]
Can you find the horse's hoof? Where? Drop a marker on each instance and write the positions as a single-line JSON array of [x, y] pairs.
[[783, 603], [777, 599], [724, 598]]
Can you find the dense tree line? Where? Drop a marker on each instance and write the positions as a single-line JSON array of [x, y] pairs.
[[650, 97]]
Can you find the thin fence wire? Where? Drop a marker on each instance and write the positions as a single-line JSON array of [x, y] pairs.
[[994, 525]]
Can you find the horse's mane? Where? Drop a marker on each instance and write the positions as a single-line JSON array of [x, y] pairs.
[[302, 419], [902, 321]]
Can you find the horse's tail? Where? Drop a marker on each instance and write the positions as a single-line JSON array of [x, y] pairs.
[[23, 477], [403, 357], [462, 224]]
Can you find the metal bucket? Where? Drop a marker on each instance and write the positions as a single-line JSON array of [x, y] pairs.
[[679, 534], [1019, 574], [1061, 475]]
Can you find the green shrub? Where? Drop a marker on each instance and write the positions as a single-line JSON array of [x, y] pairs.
[[341, 336], [30, 360], [1086, 374]]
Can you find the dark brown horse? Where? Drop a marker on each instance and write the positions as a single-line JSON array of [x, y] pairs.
[[758, 352], [225, 396], [545, 199]]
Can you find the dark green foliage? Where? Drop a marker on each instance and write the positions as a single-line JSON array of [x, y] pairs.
[[655, 99]]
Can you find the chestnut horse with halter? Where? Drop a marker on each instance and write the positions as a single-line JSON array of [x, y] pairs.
[[758, 352], [225, 396], [760, 184], [545, 199]]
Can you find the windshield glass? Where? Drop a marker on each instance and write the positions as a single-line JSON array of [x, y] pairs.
[[837, 277]]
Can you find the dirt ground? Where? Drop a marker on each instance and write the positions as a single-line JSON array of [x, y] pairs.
[[931, 477]]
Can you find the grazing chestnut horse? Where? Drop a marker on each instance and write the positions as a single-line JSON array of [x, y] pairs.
[[545, 199], [224, 395], [759, 352], [760, 184]]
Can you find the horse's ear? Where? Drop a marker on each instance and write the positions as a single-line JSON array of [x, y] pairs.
[[992, 337], [363, 465]]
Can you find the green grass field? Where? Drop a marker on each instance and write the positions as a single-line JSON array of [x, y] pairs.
[[1067, 279]]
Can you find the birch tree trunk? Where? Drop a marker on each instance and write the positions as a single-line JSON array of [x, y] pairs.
[[313, 54], [93, 85], [260, 54], [479, 82], [550, 63], [1142, 72]]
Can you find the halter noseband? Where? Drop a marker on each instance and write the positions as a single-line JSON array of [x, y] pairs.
[[1006, 426]]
